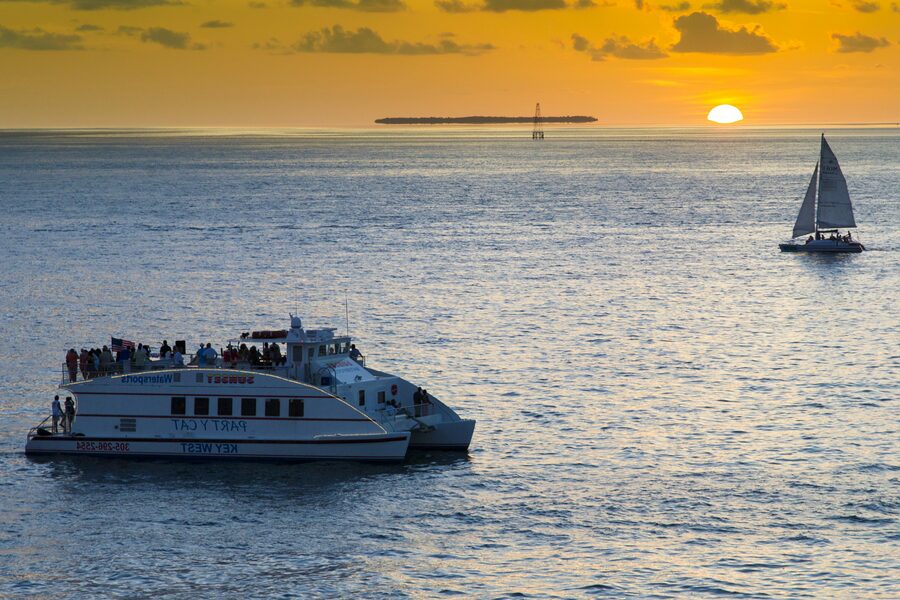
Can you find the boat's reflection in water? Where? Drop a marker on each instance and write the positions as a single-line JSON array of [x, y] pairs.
[[289, 479]]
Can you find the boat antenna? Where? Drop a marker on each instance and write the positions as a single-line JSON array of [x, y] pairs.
[[347, 312]]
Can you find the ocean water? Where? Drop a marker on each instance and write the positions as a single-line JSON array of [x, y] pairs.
[[667, 405]]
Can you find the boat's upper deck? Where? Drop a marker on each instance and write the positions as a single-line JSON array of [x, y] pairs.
[[314, 356]]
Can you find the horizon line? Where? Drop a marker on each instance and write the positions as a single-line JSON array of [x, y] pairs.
[[451, 126]]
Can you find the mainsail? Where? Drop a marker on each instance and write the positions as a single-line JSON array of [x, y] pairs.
[[834, 208], [806, 220]]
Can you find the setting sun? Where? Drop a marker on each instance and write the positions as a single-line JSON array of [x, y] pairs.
[[725, 113]]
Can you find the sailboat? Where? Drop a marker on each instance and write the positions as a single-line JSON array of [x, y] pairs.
[[822, 214]]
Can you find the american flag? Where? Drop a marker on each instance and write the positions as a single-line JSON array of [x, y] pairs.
[[117, 345]]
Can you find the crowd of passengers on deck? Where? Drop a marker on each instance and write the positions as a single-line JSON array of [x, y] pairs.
[[98, 362], [835, 236]]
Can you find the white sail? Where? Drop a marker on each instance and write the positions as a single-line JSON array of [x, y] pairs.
[[806, 220], [834, 208]]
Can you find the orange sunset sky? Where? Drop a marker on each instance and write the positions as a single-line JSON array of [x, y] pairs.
[[344, 63]]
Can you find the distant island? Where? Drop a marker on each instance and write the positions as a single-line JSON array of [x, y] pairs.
[[480, 120]]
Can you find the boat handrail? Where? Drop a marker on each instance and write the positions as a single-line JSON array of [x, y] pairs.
[[424, 409], [117, 368], [33, 431]]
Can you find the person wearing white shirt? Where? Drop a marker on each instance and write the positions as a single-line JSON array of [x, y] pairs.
[[57, 413]]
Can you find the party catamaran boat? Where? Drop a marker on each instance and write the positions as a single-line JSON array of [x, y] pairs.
[[310, 396], [825, 212]]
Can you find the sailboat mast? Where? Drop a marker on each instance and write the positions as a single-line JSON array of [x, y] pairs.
[[818, 186]]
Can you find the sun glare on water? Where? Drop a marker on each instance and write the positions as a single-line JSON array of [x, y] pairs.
[[725, 113]]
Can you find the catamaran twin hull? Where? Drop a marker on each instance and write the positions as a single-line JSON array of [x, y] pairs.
[[824, 246], [391, 447]]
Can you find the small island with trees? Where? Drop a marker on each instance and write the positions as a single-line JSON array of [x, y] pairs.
[[479, 120]]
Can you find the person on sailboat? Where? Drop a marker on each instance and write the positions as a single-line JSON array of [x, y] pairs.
[[809, 239]]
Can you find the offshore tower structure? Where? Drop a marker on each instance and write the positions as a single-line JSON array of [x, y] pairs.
[[538, 132]]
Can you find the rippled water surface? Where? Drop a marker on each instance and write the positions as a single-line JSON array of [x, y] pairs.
[[667, 406]]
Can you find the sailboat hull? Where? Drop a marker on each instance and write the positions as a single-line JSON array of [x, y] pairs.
[[824, 246]]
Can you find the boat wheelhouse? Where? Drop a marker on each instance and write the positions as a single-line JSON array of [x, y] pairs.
[[308, 400]]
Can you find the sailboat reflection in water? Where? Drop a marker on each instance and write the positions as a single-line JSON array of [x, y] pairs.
[[822, 214]]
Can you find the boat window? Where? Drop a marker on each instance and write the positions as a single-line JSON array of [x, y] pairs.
[[273, 407], [199, 377], [381, 397], [177, 377], [248, 407], [298, 354], [295, 407], [225, 407], [179, 404], [312, 353], [322, 350], [201, 406], [362, 397]]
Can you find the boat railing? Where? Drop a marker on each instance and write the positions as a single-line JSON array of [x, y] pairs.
[[73, 375], [425, 409], [34, 430]]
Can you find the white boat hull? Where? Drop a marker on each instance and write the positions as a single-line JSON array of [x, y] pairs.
[[450, 435], [387, 447]]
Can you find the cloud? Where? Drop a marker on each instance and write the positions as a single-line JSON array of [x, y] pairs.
[[619, 47], [257, 5], [745, 6], [361, 5], [680, 7], [639, 4], [88, 27], [272, 45], [216, 24], [858, 42], [112, 4], [523, 5], [38, 39], [175, 40], [128, 30], [337, 40], [701, 32], [455, 6], [866, 7]]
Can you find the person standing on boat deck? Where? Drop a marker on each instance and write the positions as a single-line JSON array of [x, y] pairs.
[[211, 354], [106, 359], [70, 414], [177, 358], [140, 358], [83, 363], [164, 349], [275, 353], [56, 411], [95, 361], [72, 364], [124, 359], [354, 353]]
